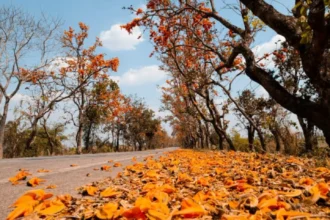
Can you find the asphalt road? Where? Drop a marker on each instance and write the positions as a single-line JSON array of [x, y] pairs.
[[65, 177]]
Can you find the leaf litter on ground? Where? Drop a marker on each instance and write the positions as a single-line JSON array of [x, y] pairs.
[[186, 184]]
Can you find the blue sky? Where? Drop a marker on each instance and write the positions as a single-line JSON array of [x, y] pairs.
[[138, 74], [142, 74]]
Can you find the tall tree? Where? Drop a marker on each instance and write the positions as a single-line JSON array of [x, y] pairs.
[[84, 67], [253, 108], [307, 31], [20, 37], [291, 74]]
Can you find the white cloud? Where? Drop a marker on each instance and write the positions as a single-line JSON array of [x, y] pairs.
[[141, 76], [119, 39], [269, 46], [19, 97]]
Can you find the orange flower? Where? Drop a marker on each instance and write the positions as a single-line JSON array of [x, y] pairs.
[[91, 190], [35, 181], [19, 176], [107, 211], [26, 203], [109, 192], [190, 209]]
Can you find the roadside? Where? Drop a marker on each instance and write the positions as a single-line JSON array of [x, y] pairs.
[[61, 174]]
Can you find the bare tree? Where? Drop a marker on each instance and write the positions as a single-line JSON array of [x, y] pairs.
[[21, 36]]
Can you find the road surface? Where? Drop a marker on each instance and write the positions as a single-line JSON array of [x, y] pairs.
[[66, 178]]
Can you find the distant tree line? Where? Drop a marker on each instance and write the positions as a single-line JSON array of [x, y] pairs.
[[62, 83]]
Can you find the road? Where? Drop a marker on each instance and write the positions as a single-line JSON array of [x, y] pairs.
[[66, 178]]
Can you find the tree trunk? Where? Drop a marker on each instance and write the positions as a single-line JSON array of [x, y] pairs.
[[140, 146], [117, 144], [201, 134], [221, 142], [3, 126], [308, 131], [251, 132], [312, 59], [88, 137], [50, 141], [230, 143], [262, 140], [32, 137], [79, 134], [326, 134], [276, 136], [207, 136]]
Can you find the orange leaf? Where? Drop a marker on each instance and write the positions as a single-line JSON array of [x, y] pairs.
[[105, 167], [19, 176], [43, 171], [107, 211], [183, 177], [22, 210], [190, 209], [26, 203], [117, 164], [52, 186], [134, 213], [143, 204], [91, 190], [109, 192], [34, 181], [54, 207]]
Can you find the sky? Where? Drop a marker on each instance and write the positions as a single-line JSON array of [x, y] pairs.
[[138, 73]]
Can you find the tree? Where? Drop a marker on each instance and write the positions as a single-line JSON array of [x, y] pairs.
[[47, 142], [104, 105], [251, 112], [292, 77], [84, 67], [141, 125], [70, 82], [21, 36], [307, 31]]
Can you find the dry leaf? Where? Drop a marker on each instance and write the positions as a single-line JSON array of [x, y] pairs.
[[34, 181], [109, 192], [105, 167], [52, 186], [43, 171], [117, 164], [91, 190], [107, 211]]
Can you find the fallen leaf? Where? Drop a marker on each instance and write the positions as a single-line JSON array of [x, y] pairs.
[[91, 190], [190, 209], [34, 181], [107, 211], [105, 167], [43, 171], [19, 176], [54, 207], [109, 192], [52, 186], [117, 164]]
